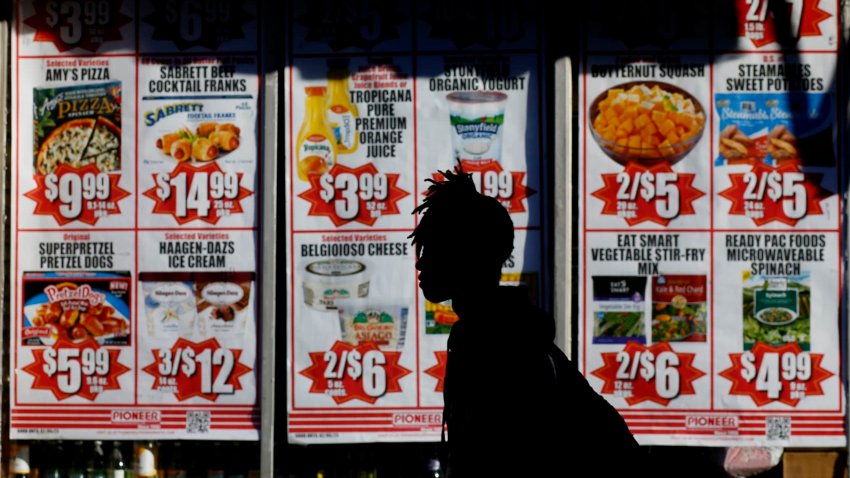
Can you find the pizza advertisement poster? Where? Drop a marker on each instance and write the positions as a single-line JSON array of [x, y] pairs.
[[76, 140], [370, 121], [710, 227], [135, 285]]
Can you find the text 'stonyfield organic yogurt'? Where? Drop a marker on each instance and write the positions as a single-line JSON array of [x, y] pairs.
[[477, 118], [327, 280], [381, 322]]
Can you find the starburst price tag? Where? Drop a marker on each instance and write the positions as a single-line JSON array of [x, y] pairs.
[[639, 373], [360, 194], [204, 193], [491, 179], [756, 22], [783, 194], [648, 194], [83, 194], [365, 373], [86, 24], [190, 369], [784, 374], [69, 369]]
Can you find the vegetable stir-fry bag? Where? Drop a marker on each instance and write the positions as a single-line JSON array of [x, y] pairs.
[[619, 309]]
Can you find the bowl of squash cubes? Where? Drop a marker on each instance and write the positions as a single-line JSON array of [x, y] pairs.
[[647, 122]]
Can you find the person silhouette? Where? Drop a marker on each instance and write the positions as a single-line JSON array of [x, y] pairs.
[[514, 405]]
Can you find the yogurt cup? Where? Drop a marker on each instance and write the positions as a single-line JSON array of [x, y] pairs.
[[328, 280], [477, 118]]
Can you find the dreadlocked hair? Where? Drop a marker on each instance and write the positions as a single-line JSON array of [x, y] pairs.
[[454, 207]]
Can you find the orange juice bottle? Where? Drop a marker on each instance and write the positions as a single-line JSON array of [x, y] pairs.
[[316, 145], [342, 114]]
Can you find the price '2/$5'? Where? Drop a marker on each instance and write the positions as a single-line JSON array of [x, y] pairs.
[[786, 187], [660, 187]]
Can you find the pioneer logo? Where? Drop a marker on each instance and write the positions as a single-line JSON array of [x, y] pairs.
[[711, 422], [136, 416]]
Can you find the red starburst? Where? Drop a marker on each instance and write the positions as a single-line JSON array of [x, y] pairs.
[[438, 371], [191, 193], [638, 194], [47, 374], [756, 21], [768, 194], [790, 391], [350, 366], [78, 208], [354, 198], [642, 374], [184, 378], [67, 25]]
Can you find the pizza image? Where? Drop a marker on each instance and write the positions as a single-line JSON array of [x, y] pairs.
[[81, 142], [77, 126]]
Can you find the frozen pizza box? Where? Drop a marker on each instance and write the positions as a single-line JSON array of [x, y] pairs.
[[77, 126]]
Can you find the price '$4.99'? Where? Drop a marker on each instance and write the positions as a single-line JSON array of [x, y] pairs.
[[789, 366]]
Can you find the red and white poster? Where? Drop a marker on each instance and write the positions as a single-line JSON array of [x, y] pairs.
[[135, 259], [370, 118], [710, 227]]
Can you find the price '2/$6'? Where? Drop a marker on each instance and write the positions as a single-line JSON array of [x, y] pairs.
[[773, 370], [200, 193], [75, 191], [663, 369], [368, 367], [71, 365]]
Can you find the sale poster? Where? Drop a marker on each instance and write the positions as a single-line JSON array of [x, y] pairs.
[[135, 260], [710, 228], [371, 118]]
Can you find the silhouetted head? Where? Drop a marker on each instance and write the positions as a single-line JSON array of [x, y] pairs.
[[462, 240]]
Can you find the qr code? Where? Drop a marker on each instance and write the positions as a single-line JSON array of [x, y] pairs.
[[778, 428], [197, 422]]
